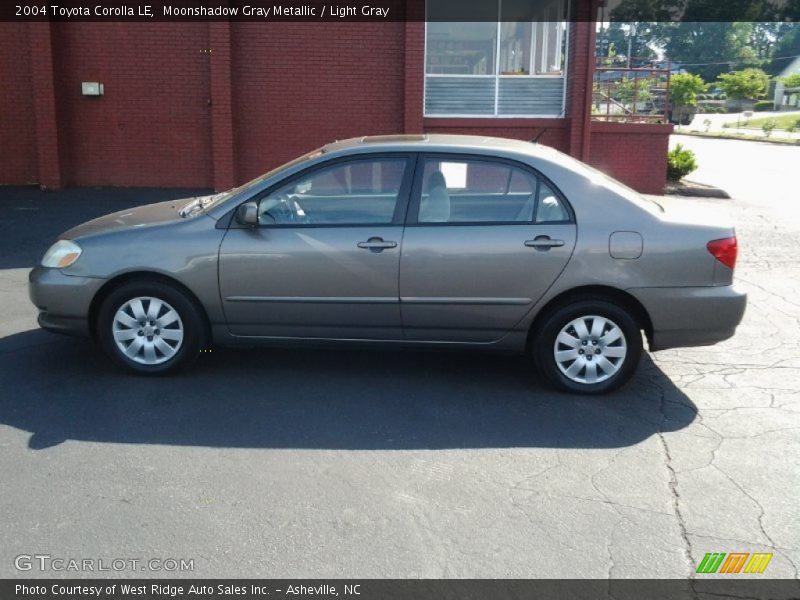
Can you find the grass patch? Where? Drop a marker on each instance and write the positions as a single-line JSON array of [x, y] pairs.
[[781, 122]]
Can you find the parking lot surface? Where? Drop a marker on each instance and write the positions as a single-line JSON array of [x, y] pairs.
[[366, 463]]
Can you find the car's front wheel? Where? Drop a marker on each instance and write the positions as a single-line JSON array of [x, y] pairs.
[[150, 327], [589, 347]]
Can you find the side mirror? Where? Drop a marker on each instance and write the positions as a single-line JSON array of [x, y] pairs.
[[247, 214]]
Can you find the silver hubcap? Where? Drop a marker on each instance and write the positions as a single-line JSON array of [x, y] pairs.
[[147, 330], [590, 349]]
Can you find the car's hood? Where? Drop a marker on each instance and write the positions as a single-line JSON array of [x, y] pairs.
[[139, 216]]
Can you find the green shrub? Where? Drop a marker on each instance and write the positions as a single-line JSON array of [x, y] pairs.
[[680, 162], [792, 81], [748, 84], [768, 126], [763, 105]]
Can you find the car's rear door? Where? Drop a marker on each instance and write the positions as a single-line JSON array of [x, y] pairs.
[[485, 238], [325, 258]]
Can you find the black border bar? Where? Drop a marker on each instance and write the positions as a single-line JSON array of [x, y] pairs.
[[394, 10], [751, 587]]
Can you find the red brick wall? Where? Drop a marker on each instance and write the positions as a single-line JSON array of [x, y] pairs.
[[634, 154], [153, 126], [580, 71], [554, 132], [414, 72], [224, 163], [17, 133], [44, 106], [297, 86], [213, 104]]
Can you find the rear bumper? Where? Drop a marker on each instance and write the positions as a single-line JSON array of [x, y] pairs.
[[692, 316], [63, 300]]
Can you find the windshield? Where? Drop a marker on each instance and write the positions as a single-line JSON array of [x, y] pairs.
[[209, 201]]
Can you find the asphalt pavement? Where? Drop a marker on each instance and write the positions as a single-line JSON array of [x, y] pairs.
[[367, 463]]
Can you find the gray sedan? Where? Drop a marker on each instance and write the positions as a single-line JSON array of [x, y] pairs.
[[432, 241]]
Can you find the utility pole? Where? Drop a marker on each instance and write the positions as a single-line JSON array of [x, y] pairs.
[[631, 35]]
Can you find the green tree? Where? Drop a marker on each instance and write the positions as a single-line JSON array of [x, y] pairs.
[[617, 35], [633, 92], [791, 11], [791, 81], [785, 48], [710, 37], [709, 49], [764, 36], [683, 90], [706, 10], [748, 84], [650, 10], [730, 10]]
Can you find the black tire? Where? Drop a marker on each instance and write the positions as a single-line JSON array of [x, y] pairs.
[[543, 345], [191, 324]]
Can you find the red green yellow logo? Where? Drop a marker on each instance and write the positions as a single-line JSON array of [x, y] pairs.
[[735, 562]]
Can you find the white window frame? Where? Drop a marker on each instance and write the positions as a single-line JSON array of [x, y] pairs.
[[497, 76]]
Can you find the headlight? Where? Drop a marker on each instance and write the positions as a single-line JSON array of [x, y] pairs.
[[61, 254]]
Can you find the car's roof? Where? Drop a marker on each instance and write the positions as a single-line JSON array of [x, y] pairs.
[[439, 142]]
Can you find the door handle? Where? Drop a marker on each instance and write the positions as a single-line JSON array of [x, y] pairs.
[[544, 242], [376, 244]]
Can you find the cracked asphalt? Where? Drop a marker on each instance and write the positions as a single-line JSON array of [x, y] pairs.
[[298, 463]]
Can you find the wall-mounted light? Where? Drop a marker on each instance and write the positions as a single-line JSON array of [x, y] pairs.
[[91, 88]]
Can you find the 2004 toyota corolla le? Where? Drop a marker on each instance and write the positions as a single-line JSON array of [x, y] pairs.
[[402, 240]]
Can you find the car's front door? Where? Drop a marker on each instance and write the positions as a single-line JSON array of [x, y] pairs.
[[324, 260], [484, 241]]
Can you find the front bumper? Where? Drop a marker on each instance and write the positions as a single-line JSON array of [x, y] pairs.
[[691, 316], [63, 300]]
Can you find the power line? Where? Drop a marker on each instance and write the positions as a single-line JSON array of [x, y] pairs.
[[727, 62]]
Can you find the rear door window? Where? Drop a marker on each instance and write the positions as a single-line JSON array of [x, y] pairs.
[[466, 190]]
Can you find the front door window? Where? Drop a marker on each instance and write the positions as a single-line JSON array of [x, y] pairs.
[[359, 192]]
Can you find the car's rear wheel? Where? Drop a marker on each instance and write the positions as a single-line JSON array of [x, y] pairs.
[[150, 327], [589, 347]]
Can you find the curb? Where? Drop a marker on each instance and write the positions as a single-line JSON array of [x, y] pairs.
[[695, 190]]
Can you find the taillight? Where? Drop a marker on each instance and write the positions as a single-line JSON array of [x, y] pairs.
[[724, 250]]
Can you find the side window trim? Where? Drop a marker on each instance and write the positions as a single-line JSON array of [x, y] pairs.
[[559, 196], [412, 217], [401, 205], [508, 181], [538, 192]]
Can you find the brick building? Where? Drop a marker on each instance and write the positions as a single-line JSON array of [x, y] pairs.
[[212, 104]]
